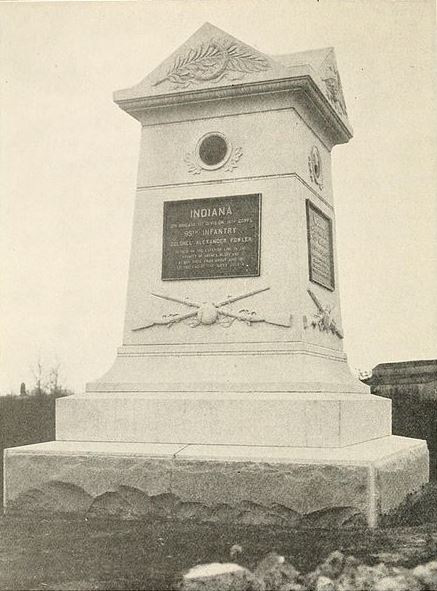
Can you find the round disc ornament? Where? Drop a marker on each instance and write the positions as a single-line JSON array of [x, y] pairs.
[[213, 150]]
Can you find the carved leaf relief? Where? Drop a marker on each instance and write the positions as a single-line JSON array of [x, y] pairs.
[[333, 88], [192, 163], [213, 61], [234, 159]]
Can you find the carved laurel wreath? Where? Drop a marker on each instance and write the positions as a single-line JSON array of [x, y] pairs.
[[213, 60], [315, 167]]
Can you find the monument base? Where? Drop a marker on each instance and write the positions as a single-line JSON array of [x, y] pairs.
[[245, 484]]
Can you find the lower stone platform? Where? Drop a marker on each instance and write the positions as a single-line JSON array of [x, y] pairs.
[[246, 484]]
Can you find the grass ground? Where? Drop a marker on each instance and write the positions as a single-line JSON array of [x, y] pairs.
[[129, 555]]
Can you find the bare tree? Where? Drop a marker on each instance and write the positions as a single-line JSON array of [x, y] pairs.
[[53, 381], [38, 374], [48, 381]]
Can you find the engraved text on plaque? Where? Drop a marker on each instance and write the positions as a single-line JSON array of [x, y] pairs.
[[320, 249], [212, 238]]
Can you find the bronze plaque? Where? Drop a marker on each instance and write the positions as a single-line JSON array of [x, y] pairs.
[[212, 238], [320, 247]]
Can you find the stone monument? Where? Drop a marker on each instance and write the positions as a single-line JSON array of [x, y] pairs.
[[231, 397]]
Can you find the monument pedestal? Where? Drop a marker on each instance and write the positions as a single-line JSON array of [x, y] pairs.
[[243, 484], [231, 397], [298, 419], [276, 366]]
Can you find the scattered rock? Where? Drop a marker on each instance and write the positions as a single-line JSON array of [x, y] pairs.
[[293, 587], [398, 583], [275, 572], [333, 566], [220, 577], [324, 584], [350, 562], [368, 576], [336, 573], [270, 561], [404, 556], [381, 570], [427, 574], [235, 550], [360, 577]]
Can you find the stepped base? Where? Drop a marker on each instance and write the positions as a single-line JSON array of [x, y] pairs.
[[231, 367], [246, 484], [297, 419]]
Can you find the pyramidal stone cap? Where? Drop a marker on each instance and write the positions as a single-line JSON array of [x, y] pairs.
[[212, 64]]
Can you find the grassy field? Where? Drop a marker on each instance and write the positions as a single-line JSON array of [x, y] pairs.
[[114, 554]]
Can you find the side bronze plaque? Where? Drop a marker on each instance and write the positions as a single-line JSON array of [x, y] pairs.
[[320, 247], [212, 238]]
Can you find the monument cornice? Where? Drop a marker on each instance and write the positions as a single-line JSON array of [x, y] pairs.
[[138, 106]]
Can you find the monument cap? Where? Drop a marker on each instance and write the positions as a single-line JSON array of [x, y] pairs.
[[212, 64]]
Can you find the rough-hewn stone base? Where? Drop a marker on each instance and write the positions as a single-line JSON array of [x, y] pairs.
[[283, 485]]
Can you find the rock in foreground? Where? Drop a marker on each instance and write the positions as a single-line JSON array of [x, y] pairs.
[[336, 573], [220, 577]]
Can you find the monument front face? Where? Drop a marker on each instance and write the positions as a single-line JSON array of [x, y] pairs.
[[233, 281]]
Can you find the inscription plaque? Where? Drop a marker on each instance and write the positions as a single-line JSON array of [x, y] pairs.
[[212, 238], [320, 247]]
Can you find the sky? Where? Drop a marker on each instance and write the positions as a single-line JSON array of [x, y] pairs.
[[68, 164]]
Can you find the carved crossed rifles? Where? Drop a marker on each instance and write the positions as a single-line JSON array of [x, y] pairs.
[[208, 313], [323, 319]]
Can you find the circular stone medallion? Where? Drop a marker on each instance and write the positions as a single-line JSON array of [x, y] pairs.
[[213, 150]]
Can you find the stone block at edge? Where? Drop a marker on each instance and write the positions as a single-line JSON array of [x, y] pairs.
[[322, 485], [401, 474], [252, 485], [88, 478], [265, 492]]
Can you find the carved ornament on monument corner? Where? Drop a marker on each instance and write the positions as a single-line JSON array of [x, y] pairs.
[[208, 313], [334, 90], [315, 167], [213, 61], [323, 318]]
